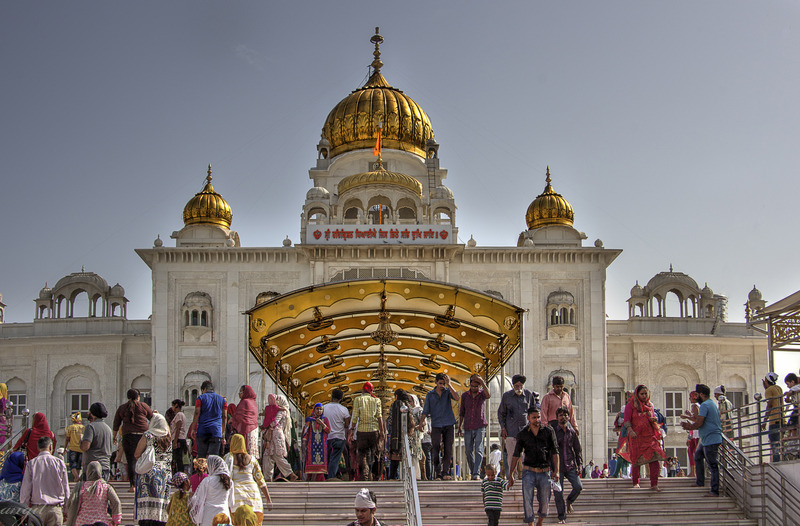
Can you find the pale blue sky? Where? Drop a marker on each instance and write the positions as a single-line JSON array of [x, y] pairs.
[[671, 127]]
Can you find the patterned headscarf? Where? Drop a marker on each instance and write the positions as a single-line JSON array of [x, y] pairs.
[[179, 479], [200, 465], [76, 418], [220, 518]]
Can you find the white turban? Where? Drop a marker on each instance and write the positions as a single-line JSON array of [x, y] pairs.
[[718, 390], [363, 499]]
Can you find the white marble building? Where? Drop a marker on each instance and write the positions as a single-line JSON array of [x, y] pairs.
[[372, 217]]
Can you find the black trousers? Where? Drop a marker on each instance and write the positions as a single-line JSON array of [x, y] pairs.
[[129, 443]]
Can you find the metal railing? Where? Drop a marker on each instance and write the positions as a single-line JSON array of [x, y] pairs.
[[750, 463], [410, 491]]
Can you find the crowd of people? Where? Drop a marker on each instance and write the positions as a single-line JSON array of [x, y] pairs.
[[215, 470]]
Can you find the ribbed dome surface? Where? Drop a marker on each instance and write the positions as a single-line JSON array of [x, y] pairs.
[[380, 176], [549, 208], [208, 207], [353, 123]]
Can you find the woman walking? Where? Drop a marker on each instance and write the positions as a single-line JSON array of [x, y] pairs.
[[152, 488], [396, 435], [245, 420], [27, 442], [214, 495], [130, 422], [644, 436], [315, 445], [5, 428], [178, 507], [248, 482], [90, 501], [276, 441]]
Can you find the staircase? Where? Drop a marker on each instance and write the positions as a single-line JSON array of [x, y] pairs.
[[603, 502]]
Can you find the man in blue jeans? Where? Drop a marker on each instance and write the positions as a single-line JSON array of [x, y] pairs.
[[709, 426], [472, 423], [569, 449], [339, 419], [439, 408], [210, 418], [538, 442]]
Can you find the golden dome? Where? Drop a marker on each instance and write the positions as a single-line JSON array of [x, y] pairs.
[[353, 123], [549, 209], [208, 207], [380, 176]]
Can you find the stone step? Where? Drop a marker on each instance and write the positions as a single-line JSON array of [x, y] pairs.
[[602, 502]]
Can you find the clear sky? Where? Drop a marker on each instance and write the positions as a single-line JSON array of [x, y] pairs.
[[671, 127]]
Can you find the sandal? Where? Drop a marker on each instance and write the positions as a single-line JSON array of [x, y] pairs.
[[447, 477]]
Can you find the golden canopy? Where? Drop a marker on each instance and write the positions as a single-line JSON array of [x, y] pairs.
[[353, 123], [549, 208], [208, 207], [394, 333]]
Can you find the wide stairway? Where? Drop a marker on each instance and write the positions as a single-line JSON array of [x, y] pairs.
[[459, 504]]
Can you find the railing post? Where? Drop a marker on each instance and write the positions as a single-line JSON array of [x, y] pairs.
[[411, 493], [760, 429]]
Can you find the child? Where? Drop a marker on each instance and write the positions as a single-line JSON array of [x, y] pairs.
[[492, 489], [200, 471], [495, 456], [178, 507]]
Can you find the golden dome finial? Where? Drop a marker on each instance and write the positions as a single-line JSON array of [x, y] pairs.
[[208, 177], [549, 208], [377, 39]]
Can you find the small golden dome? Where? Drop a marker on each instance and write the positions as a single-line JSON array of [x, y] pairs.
[[380, 176], [549, 209], [353, 123], [208, 207]]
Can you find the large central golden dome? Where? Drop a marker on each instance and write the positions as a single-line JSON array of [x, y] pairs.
[[353, 123]]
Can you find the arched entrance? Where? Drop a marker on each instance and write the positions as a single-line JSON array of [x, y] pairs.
[[395, 333]]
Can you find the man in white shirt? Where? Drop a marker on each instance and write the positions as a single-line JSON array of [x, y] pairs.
[[45, 488], [339, 419]]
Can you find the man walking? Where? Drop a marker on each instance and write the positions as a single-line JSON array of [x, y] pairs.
[[97, 441], [338, 418], [45, 488], [708, 425], [570, 454], [472, 423], [367, 421], [74, 436], [439, 407], [538, 444], [556, 398], [512, 414], [210, 419]]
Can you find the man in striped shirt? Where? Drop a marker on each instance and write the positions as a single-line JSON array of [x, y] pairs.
[[492, 489], [367, 421]]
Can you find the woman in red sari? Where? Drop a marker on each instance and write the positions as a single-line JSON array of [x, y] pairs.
[[644, 436], [29, 438], [245, 419], [315, 445]]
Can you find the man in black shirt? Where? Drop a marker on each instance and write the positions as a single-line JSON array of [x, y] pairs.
[[538, 442]]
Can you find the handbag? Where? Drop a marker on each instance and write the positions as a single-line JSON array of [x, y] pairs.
[[146, 462]]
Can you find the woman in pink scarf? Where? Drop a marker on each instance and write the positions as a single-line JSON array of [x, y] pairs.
[[644, 436], [245, 420]]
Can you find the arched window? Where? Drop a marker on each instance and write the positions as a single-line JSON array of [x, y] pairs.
[[379, 214], [198, 317]]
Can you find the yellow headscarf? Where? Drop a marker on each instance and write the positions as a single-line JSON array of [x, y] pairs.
[[76, 418], [220, 518], [238, 445], [244, 516], [3, 390]]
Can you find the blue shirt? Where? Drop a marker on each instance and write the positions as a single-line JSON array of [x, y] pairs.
[[439, 408], [211, 406], [711, 430]]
